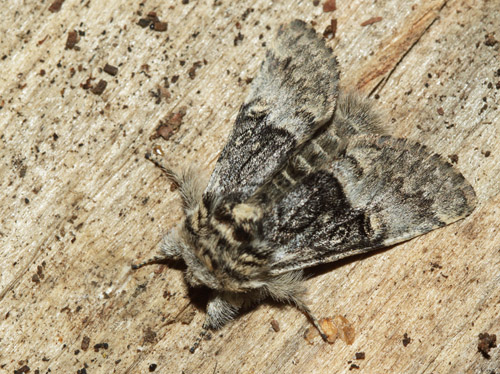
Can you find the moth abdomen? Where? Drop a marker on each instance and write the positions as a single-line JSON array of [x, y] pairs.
[[311, 157]]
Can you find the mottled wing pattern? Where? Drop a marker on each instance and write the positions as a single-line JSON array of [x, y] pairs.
[[380, 192], [294, 94]]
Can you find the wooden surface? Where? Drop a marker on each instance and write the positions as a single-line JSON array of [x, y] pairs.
[[80, 203]]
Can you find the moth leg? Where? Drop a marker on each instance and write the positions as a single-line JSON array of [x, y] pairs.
[[153, 260], [221, 309], [198, 340], [170, 249], [288, 287], [300, 305]]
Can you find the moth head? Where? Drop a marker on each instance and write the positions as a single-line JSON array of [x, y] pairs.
[[196, 275], [179, 244]]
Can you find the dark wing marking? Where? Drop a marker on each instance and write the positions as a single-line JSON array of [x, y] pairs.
[[294, 94], [381, 192]]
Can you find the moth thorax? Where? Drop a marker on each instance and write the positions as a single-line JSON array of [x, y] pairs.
[[246, 213], [237, 223], [226, 244]]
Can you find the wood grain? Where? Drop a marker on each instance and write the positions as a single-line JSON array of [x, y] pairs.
[[80, 203]]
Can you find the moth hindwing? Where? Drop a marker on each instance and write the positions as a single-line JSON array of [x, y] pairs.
[[307, 177]]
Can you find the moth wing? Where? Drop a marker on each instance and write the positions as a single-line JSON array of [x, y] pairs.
[[294, 94], [382, 191]]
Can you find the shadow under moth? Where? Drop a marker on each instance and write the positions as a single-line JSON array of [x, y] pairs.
[[307, 177]]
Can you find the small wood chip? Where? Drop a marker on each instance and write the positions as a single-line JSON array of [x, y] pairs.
[[346, 330], [170, 124], [275, 325], [110, 69], [310, 334], [85, 343], [360, 355], [329, 6], [22, 370], [100, 87], [153, 22], [56, 6], [330, 30], [72, 39], [330, 329], [144, 22], [490, 40], [160, 26], [371, 20], [406, 339], [486, 342], [87, 84], [333, 328], [192, 70]]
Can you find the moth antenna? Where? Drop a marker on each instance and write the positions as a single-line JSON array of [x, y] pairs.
[[168, 172], [151, 261], [198, 340], [190, 185]]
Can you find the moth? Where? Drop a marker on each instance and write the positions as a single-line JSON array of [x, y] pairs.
[[307, 177]]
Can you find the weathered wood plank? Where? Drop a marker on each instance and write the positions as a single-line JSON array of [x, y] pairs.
[[80, 203]]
